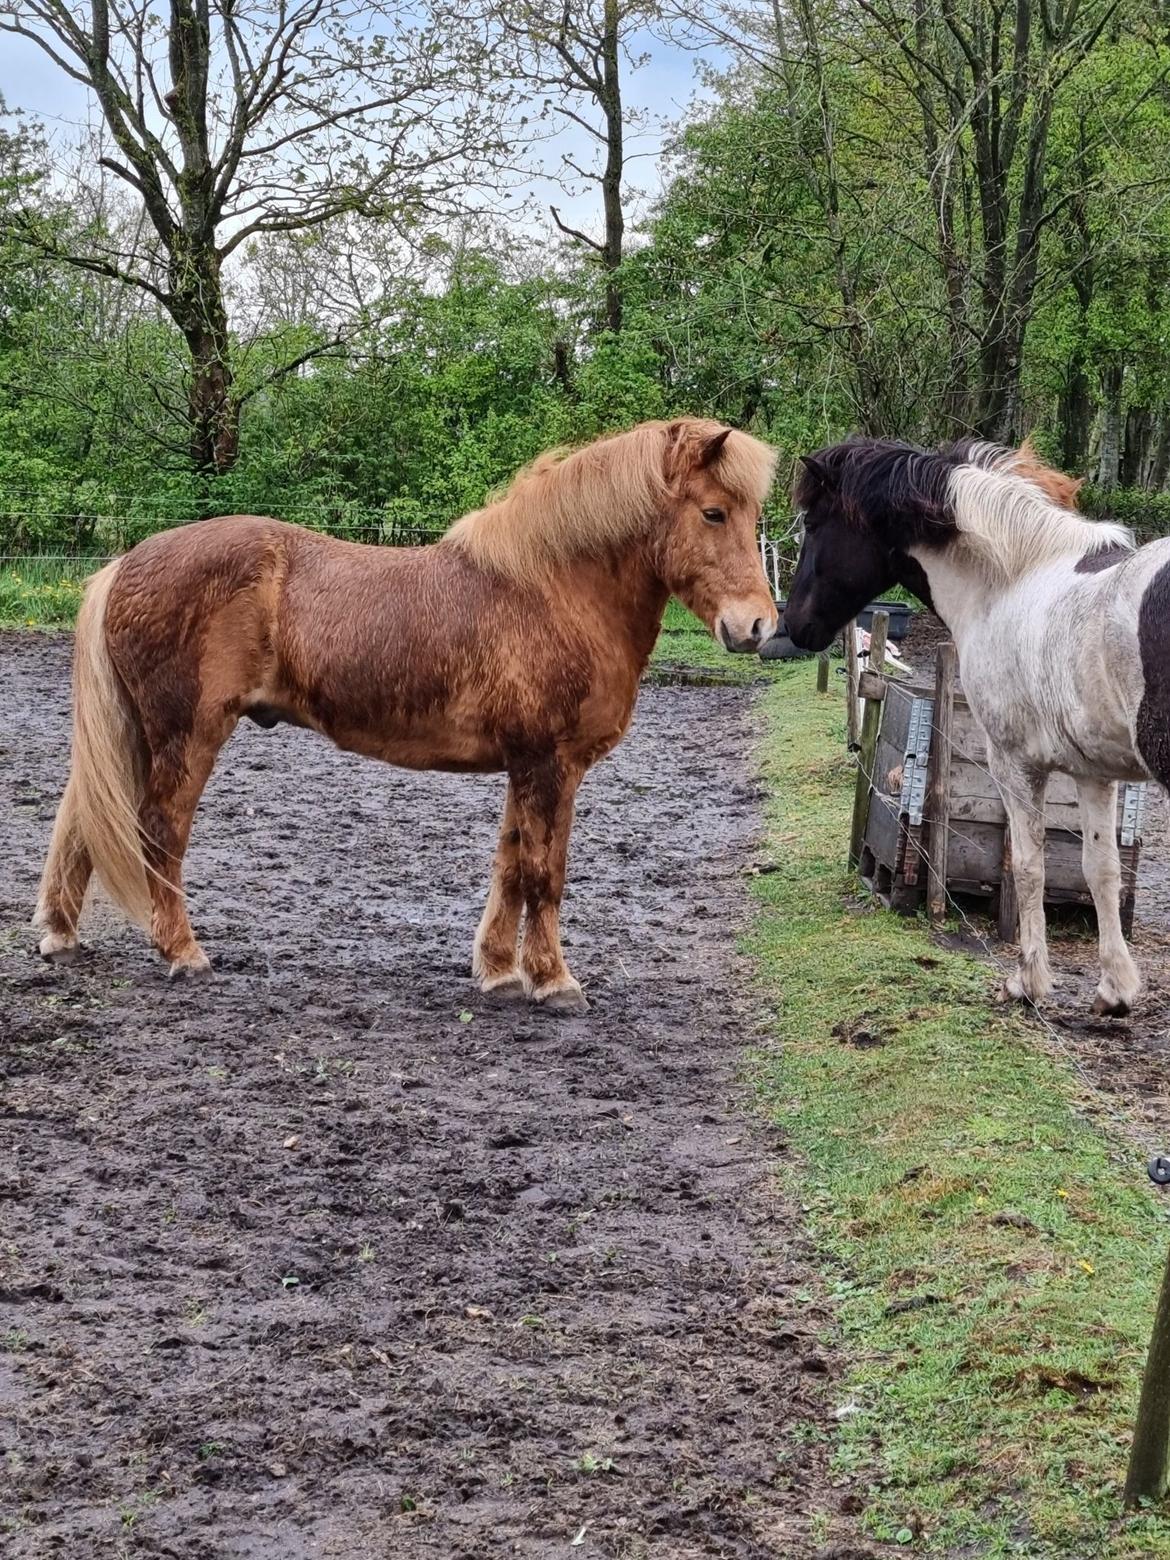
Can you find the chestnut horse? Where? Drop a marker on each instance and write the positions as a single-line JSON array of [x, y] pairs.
[[515, 643]]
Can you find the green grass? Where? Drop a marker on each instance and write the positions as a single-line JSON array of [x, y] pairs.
[[41, 592], [992, 1416], [685, 641]]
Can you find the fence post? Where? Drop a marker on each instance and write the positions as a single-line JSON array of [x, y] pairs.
[[1009, 905], [823, 672], [851, 676], [938, 782], [870, 721], [1146, 1478]]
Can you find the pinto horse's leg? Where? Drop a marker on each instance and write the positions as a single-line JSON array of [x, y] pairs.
[[174, 784], [1120, 981], [493, 957], [63, 885], [544, 795], [1023, 797]]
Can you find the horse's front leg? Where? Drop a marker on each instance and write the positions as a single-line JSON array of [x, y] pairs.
[[1120, 981], [493, 957], [544, 793], [1023, 798]]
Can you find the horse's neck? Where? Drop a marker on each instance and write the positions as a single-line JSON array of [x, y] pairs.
[[960, 592], [629, 597]]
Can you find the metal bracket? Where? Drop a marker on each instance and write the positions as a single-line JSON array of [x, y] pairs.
[[916, 759], [1133, 801]]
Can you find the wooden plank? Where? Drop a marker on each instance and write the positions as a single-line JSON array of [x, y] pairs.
[[823, 672], [867, 745], [896, 715], [882, 831], [938, 782], [1008, 919], [852, 716]]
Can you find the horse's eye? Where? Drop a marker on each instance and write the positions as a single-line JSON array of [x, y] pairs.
[[715, 516]]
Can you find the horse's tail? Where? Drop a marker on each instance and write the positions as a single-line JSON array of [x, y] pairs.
[[105, 784]]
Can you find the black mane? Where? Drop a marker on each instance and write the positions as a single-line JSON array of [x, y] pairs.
[[899, 490]]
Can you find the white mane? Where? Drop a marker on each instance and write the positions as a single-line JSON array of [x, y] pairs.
[[1012, 528]]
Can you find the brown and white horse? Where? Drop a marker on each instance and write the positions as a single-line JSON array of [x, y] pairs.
[[516, 643]]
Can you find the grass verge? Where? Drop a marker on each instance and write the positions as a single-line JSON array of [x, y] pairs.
[[685, 642], [993, 1257], [39, 594]]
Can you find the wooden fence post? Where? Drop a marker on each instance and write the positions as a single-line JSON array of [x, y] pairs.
[[1008, 919], [938, 782], [1146, 1478], [823, 672], [870, 721], [851, 676]]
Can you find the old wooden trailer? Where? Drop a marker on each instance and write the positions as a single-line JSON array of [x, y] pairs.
[[933, 823]]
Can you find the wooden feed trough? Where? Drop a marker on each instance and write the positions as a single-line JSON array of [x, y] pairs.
[[898, 847]]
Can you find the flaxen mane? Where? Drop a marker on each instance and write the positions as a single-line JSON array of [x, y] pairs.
[[1008, 523], [1022, 462], [584, 502]]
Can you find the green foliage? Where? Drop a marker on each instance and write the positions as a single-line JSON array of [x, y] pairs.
[[1147, 514]]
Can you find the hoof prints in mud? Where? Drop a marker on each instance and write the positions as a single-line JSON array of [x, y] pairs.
[[305, 1262]]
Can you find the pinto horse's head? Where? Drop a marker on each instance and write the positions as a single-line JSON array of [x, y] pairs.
[[717, 480], [862, 503]]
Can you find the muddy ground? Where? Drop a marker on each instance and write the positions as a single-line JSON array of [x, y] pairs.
[[330, 1257], [1123, 1063]]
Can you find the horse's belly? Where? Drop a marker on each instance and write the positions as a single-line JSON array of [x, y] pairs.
[[438, 747]]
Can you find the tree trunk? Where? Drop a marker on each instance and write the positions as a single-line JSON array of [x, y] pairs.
[[1160, 458], [213, 410], [611, 177], [1135, 454], [1109, 459], [1076, 417]]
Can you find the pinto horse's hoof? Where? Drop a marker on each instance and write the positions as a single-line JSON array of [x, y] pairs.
[[1104, 1008], [508, 987], [566, 1001]]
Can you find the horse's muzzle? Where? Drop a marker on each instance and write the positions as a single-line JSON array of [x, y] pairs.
[[742, 638]]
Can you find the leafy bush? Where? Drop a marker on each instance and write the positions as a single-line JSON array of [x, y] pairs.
[[1148, 514]]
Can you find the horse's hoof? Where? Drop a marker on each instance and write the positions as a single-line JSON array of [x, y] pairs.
[[508, 987], [566, 1001], [1104, 1008], [58, 949], [192, 967]]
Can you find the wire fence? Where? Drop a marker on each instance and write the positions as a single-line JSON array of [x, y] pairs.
[[54, 543]]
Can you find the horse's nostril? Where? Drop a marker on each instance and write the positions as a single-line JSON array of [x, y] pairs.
[[758, 630]]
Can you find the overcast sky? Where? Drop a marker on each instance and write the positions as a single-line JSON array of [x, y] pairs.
[[662, 90]]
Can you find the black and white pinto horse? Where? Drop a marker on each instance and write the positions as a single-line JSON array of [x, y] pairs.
[[1062, 629]]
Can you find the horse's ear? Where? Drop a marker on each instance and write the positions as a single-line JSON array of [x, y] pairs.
[[713, 447], [818, 470]]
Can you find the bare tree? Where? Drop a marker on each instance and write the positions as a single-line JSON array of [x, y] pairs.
[[235, 119], [575, 49]]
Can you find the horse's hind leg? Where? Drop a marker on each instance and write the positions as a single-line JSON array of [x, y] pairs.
[[175, 780], [1023, 799], [1120, 981], [493, 958], [544, 806], [63, 884]]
